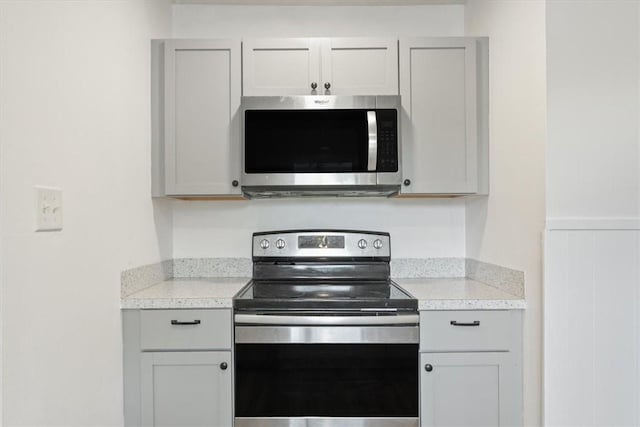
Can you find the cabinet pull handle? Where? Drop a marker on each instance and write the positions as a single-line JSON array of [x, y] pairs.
[[428, 367], [407, 182], [474, 323], [235, 183], [224, 366], [195, 322]]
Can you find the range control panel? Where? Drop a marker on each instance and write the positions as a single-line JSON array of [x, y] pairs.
[[321, 243]]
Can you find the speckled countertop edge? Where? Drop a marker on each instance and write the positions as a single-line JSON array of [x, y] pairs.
[[432, 305], [458, 294], [187, 293], [509, 282]]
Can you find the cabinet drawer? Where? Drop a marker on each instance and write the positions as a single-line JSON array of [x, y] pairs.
[[185, 329], [465, 330]]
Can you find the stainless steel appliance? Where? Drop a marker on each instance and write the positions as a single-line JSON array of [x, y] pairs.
[[321, 145], [323, 337]]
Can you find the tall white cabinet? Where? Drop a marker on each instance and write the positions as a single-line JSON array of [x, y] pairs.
[[444, 89], [196, 123], [319, 66]]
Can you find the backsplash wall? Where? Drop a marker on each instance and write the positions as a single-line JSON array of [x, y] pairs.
[[420, 228]]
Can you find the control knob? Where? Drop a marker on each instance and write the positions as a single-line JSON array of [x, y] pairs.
[[377, 244], [280, 244], [362, 244]]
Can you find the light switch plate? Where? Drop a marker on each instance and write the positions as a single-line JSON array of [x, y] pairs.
[[48, 209]]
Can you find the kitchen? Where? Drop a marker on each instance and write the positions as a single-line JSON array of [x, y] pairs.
[[82, 71]]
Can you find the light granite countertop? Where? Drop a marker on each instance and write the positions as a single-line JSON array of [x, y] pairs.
[[432, 294], [458, 294], [210, 292]]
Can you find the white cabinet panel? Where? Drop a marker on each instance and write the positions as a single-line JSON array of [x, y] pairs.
[[186, 389], [592, 281], [280, 66], [185, 329], [467, 390], [360, 66], [440, 79], [201, 127], [350, 66], [457, 331]]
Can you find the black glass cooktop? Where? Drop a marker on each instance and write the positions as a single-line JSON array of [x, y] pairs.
[[264, 295]]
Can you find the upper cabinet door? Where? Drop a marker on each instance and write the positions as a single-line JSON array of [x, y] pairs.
[[360, 66], [443, 86], [280, 66], [201, 123]]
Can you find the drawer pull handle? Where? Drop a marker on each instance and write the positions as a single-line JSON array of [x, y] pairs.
[[474, 323], [428, 367], [195, 322], [224, 366]]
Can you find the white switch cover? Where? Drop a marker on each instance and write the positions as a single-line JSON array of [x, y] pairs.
[[48, 209]]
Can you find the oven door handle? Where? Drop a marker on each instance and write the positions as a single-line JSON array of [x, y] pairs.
[[372, 127], [269, 319]]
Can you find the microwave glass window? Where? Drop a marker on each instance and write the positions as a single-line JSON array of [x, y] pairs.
[[295, 141]]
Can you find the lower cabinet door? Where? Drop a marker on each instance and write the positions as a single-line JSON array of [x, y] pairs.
[[468, 389], [186, 389]]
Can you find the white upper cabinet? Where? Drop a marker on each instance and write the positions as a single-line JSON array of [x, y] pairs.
[[280, 66], [444, 89], [360, 66], [319, 66], [198, 142], [197, 87]]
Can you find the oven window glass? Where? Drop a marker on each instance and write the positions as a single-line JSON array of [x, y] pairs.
[[326, 380], [306, 141]]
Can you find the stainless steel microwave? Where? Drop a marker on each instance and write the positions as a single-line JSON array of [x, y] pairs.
[[321, 146]]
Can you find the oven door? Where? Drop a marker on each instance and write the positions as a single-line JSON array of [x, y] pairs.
[[323, 376]]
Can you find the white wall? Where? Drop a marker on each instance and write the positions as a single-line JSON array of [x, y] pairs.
[[198, 21], [419, 228], [506, 228], [593, 109], [592, 251], [223, 229], [74, 79]]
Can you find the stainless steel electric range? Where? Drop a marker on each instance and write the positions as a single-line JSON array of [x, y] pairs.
[[323, 337]]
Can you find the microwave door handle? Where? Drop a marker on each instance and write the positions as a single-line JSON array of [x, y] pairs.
[[372, 126]]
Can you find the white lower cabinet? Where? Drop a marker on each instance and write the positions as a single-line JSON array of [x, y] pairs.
[[470, 368], [186, 389], [467, 389], [178, 368]]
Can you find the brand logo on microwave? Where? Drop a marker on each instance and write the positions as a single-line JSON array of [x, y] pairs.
[[321, 101]]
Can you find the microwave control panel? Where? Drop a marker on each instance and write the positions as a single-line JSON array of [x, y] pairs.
[[387, 121]]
